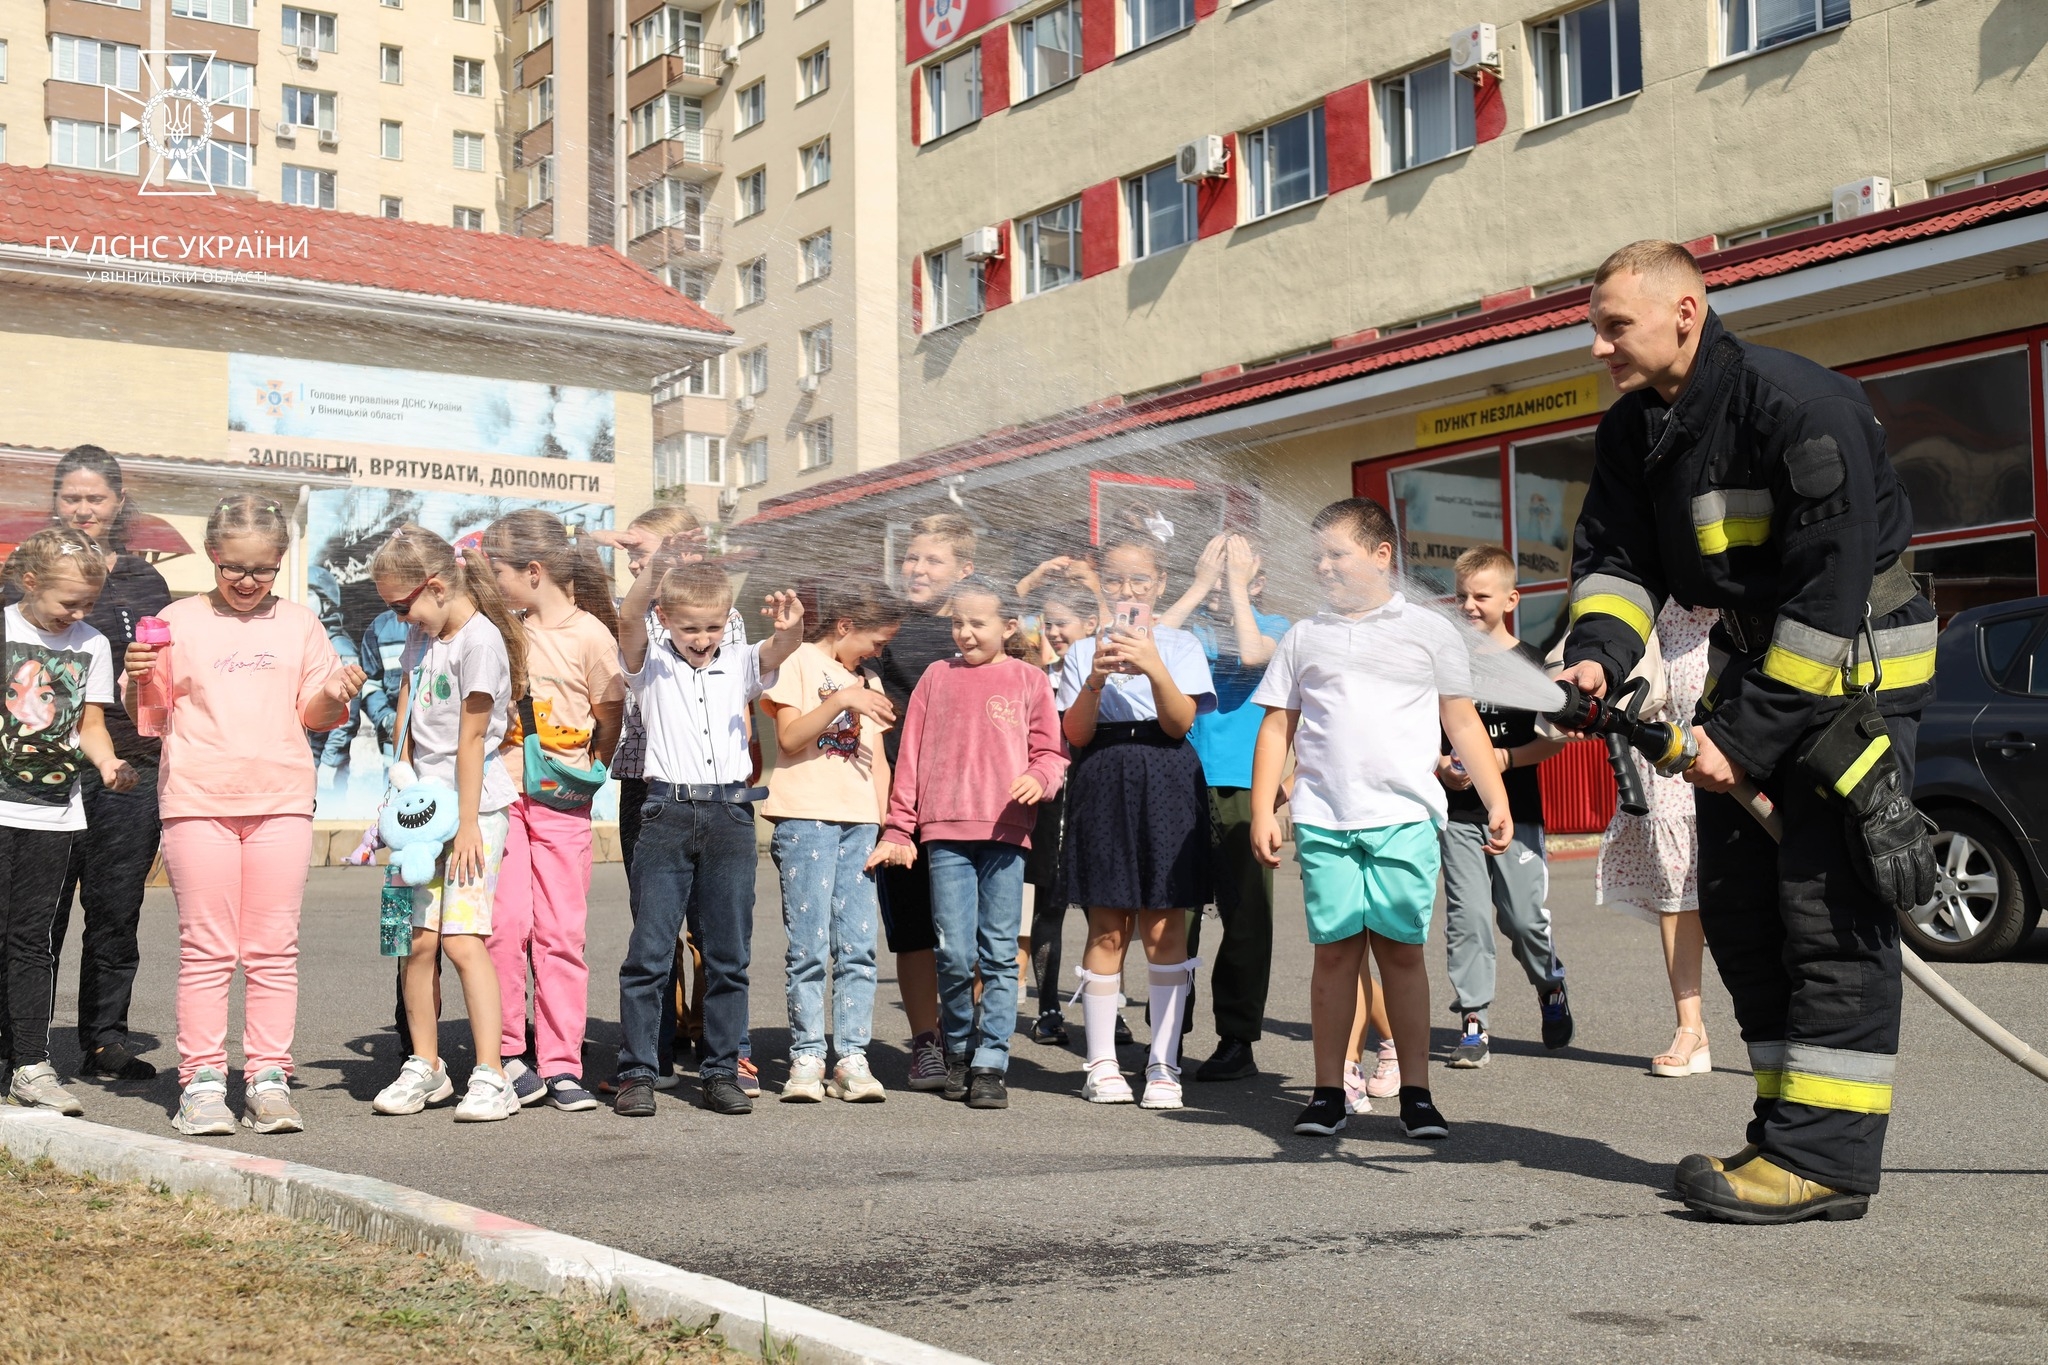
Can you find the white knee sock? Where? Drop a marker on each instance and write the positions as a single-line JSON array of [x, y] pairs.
[[1100, 994], [1170, 981]]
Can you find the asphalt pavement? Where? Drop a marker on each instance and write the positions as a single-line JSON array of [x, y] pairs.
[[1059, 1231]]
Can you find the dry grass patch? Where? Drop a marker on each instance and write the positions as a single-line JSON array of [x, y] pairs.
[[101, 1272]]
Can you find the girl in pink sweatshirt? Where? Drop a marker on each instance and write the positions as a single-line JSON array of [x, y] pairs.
[[981, 748], [247, 673]]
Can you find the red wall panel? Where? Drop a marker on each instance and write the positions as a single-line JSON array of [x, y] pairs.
[[917, 108], [1101, 232], [1347, 135], [917, 293], [995, 274], [995, 70], [1098, 33], [1489, 110], [1216, 200]]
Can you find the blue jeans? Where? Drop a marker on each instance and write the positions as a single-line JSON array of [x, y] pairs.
[[830, 911], [977, 903], [694, 860]]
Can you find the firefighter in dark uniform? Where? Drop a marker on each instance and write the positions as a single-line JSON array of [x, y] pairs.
[[1751, 480]]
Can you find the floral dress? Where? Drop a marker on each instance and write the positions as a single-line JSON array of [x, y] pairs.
[[1649, 864]]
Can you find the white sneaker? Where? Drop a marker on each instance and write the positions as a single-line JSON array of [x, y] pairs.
[[806, 1083], [1162, 1087], [35, 1087], [668, 1082], [854, 1083], [419, 1084], [490, 1097], [267, 1104], [1105, 1084], [203, 1108]]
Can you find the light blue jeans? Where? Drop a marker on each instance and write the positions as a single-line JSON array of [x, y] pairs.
[[830, 913], [977, 906]]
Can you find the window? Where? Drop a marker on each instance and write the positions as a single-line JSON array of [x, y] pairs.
[[469, 220], [1429, 320], [192, 160], [1161, 211], [753, 282], [540, 102], [749, 17], [1960, 435], [391, 140], [540, 24], [813, 73], [692, 283], [954, 90], [1049, 48], [393, 4], [469, 151], [215, 80], [817, 443], [1587, 57], [1753, 25], [814, 164], [1799, 224], [669, 203], [91, 62], [214, 11], [665, 116], [1148, 21], [754, 462], [469, 76], [814, 257], [309, 187], [390, 206], [308, 28], [3, 61], [1559, 286], [750, 195], [754, 372], [706, 379], [1426, 115], [3, 142], [470, 11], [1050, 247], [817, 348], [540, 181], [753, 105], [1990, 175], [1284, 163], [391, 64], [706, 458], [307, 109], [93, 146], [952, 288], [670, 29]]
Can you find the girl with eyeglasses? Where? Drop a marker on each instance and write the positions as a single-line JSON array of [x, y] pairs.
[[244, 672]]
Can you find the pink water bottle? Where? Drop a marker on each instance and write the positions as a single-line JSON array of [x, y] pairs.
[[153, 698]]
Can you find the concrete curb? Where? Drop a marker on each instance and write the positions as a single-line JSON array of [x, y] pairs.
[[502, 1249]]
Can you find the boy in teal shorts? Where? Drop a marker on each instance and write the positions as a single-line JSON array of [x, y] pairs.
[[1361, 690]]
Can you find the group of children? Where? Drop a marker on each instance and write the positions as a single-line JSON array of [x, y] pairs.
[[911, 801]]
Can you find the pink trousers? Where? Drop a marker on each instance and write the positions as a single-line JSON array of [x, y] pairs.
[[542, 903], [239, 881]]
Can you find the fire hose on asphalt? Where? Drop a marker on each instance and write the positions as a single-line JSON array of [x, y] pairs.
[[1671, 749]]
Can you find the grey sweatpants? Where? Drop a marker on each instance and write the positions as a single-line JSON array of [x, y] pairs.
[[1516, 883]]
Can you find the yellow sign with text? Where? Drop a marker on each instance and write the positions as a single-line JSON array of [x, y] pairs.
[[1509, 411]]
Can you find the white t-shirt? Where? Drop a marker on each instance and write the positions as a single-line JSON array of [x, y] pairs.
[[696, 718], [1367, 689], [50, 678], [1128, 696], [442, 673]]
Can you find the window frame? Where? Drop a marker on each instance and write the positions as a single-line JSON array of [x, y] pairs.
[[469, 66], [751, 99], [1132, 33], [247, 8], [463, 226], [758, 178], [1258, 189], [813, 435], [1028, 238], [391, 206], [125, 56], [1798, 222], [390, 59], [933, 79], [326, 36], [125, 160], [814, 345], [811, 159], [751, 448], [390, 132], [1400, 162], [326, 115], [1138, 217], [1725, 28], [806, 255], [1027, 86], [323, 185], [756, 272], [749, 20], [1566, 68], [753, 372], [817, 62], [938, 287], [468, 11]]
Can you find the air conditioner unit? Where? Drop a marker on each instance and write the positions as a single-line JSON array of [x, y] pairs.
[[729, 54], [1206, 158], [1475, 49], [287, 132], [983, 244], [746, 402], [309, 56], [1871, 194], [809, 383], [728, 503], [328, 138]]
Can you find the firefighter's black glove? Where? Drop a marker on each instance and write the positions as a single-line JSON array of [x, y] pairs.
[[1896, 860]]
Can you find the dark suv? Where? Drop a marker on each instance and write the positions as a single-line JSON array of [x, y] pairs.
[[1982, 775]]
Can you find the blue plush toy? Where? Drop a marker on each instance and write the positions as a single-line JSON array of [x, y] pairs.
[[417, 821]]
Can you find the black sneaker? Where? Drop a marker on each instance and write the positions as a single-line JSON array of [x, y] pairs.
[[114, 1062], [722, 1095], [985, 1089], [1050, 1028], [1232, 1061], [1123, 1031], [1557, 1018], [635, 1098], [1420, 1118], [1471, 1049], [1324, 1116], [956, 1076]]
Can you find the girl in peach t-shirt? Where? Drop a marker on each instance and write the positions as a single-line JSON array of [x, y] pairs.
[[245, 670]]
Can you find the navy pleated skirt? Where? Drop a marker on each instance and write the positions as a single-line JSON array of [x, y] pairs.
[[1137, 822]]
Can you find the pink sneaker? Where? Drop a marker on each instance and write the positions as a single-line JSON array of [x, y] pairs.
[[1385, 1081], [1355, 1101]]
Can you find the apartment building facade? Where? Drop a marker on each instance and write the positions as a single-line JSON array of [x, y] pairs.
[[390, 108], [754, 172]]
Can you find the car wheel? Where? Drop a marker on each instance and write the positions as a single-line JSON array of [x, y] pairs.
[[1979, 911]]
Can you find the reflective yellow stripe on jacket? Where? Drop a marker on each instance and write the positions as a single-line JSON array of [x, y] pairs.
[[1813, 660], [1728, 517], [1602, 594]]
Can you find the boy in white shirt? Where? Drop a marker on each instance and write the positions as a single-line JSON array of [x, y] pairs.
[[1360, 690]]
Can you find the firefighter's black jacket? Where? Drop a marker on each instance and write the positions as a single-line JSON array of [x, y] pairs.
[[1765, 489]]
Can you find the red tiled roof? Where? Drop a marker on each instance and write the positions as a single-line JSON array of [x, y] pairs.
[[1551, 312], [345, 248]]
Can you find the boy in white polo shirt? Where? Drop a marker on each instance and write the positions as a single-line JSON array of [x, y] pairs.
[[1360, 690]]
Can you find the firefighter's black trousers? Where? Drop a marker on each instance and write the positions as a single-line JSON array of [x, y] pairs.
[[1812, 961]]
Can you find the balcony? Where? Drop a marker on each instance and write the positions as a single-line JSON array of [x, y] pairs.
[[689, 155], [533, 144], [695, 68], [538, 221], [696, 239]]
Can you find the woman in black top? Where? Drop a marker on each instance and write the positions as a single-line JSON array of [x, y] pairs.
[[110, 861]]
